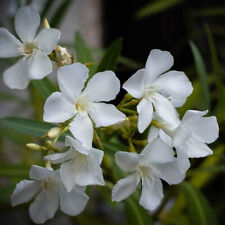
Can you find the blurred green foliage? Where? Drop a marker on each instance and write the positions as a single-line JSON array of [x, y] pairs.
[[189, 203]]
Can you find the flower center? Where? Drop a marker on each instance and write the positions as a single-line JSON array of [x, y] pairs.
[[143, 171], [50, 182], [30, 48], [45, 184], [82, 105], [149, 92]]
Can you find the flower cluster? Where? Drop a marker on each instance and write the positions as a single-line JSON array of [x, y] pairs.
[[81, 107]]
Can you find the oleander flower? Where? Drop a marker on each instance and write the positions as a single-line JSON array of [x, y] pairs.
[[158, 88], [189, 136], [155, 162], [50, 194], [80, 166], [35, 63], [83, 106]]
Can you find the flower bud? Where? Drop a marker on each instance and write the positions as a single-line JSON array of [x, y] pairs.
[[53, 132], [33, 146], [46, 24]]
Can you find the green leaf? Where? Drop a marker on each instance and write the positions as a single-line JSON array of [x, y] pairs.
[[211, 11], [198, 207], [60, 13], [156, 7], [46, 8], [112, 148], [31, 127], [127, 62], [82, 51], [202, 74], [111, 56], [18, 171], [178, 219], [217, 72], [135, 214], [215, 61], [44, 87]]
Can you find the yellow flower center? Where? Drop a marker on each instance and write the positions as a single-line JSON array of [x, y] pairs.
[[143, 171], [149, 91], [82, 105], [30, 48]]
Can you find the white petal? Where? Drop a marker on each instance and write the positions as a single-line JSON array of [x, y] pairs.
[[71, 79], [96, 156], [205, 129], [105, 115], [152, 193], [165, 109], [103, 86], [39, 66], [72, 203], [135, 84], [57, 109], [83, 173], [183, 161], [16, 76], [124, 188], [127, 161], [47, 40], [44, 206], [145, 113], [192, 115], [90, 173], [59, 157], [164, 137], [67, 174], [77, 145], [82, 129], [39, 173], [176, 85], [153, 134], [157, 152], [182, 134], [170, 172], [25, 191], [196, 149], [9, 45], [27, 21], [157, 63]]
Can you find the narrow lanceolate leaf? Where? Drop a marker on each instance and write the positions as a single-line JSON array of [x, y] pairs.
[[202, 74], [44, 87], [135, 214], [217, 72], [46, 8], [31, 127], [156, 7], [198, 207], [111, 56], [83, 53], [18, 171], [60, 13], [215, 61]]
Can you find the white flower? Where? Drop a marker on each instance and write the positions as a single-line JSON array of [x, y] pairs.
[[189, 136], [80, 166], [50, 194], [156, 88], [155, 162], [72, 101], [35, 63]]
